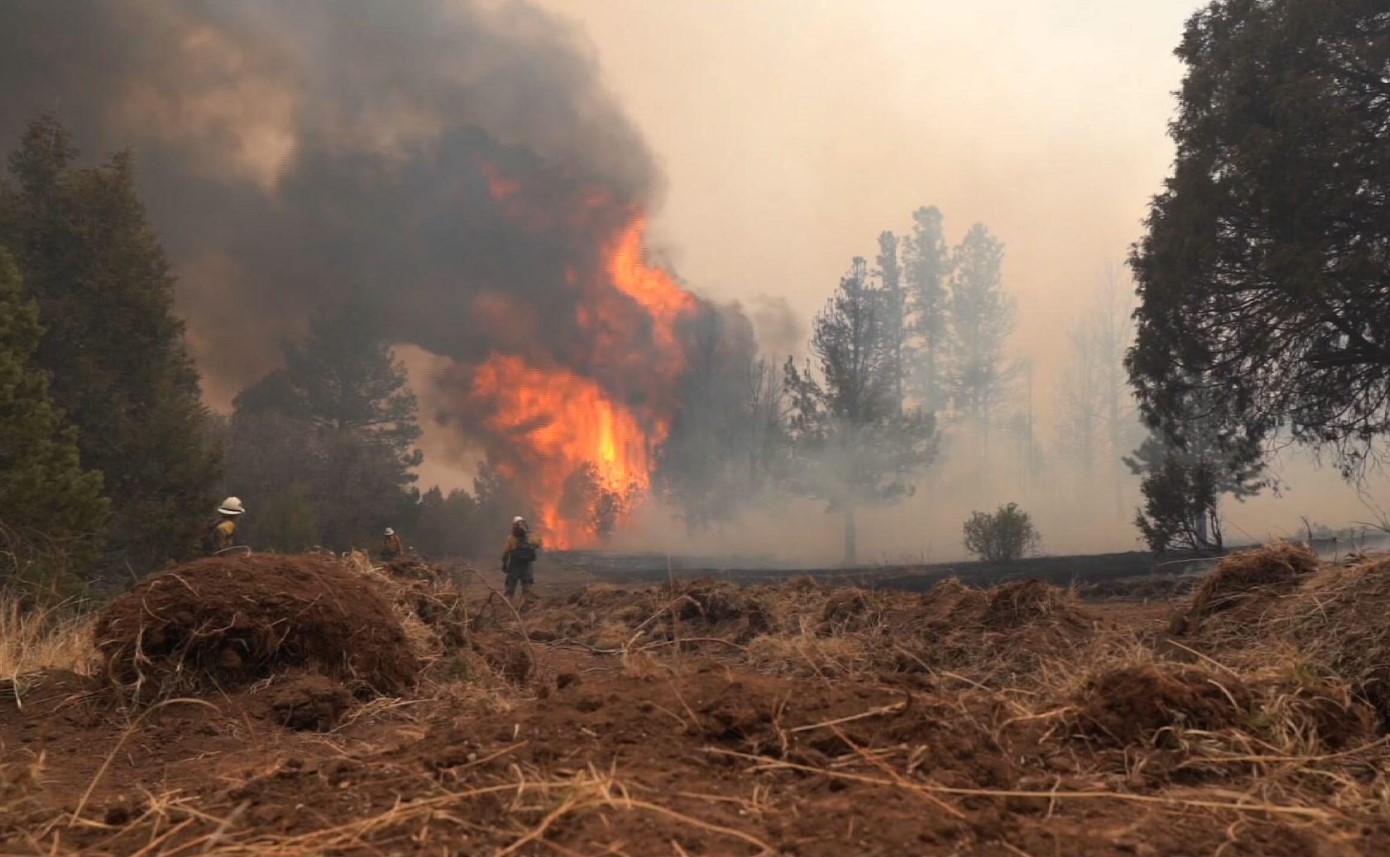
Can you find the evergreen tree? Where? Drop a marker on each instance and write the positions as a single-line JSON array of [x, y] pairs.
[[51, 510], [337, 427], [981, 317], [895, 309], [1185, 475], [724, 444], [1263, 266], [111, 346], [926, 273], [449, 525], [852, 442]]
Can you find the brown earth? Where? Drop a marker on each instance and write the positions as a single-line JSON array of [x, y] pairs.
[[225, 622], [794, 719]]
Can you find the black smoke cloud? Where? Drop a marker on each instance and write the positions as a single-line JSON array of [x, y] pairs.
[[297, 155]]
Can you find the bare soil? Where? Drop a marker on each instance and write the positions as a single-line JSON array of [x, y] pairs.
[[712, 719]]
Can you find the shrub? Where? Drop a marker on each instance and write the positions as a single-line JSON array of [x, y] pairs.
[[1004, 536]]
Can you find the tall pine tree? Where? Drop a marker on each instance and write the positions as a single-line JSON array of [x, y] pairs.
[[853, 444], [926, 273], [111, 344], [981, 317], [333, 432], [51, 510]]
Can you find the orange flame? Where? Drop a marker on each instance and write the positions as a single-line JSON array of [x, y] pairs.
[[556, 421], [652, 288], [564, 421]]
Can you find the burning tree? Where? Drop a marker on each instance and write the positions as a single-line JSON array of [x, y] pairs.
[[853, 445]]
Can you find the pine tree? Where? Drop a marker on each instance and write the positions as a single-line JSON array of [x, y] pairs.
[[895, 310], [926, 273], [981, 316], [51, 510], [112, 347], [853, 444], [337, 426]]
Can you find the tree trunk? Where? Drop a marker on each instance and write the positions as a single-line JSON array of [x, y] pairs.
[[851, 537]]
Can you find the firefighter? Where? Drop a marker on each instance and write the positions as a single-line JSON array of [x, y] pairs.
[[517, 558], [223, 533], [390, 545]]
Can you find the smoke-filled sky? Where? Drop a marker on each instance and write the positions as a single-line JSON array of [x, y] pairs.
[[298, 154], [791, 132]]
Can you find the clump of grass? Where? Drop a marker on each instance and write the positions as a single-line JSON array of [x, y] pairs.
[[33, 639]]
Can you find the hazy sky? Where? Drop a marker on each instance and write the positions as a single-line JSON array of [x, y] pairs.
[[793, 131]]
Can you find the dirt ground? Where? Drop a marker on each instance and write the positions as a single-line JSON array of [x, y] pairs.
[[700, 719]]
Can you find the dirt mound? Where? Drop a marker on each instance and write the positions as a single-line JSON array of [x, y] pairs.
[[1028, 602], [309, 702], [950, 600], [1143, 703], [506, 656], [1252, 575], [712, 602], [845, 605], [1337, 620], [413, 569], [1315, 712], [223, 622]]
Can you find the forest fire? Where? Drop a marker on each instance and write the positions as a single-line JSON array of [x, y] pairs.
[[579, 434]]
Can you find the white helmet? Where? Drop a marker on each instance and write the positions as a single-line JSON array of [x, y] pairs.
[[231, 506], [390, 532], [518, 520]]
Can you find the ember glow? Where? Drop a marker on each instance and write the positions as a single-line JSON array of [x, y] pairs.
[[599, 419]]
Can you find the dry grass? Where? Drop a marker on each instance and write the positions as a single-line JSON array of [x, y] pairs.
[[1269, 723], [43, 638]]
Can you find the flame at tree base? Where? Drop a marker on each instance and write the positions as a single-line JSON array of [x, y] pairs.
[[581, 456]]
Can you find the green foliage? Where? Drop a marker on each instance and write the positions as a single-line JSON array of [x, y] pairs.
[[449, 525], [1004, 536], [330, 437], [111, 346], [51, 510], [726, 444], [286, 522], [1186, 474], [853, 444], [1263, 267]]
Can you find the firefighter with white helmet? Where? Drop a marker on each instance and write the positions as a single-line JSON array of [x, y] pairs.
[[223, 534], [517, 559], [391, 547]]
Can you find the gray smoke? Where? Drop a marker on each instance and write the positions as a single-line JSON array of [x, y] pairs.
[[296, 155]]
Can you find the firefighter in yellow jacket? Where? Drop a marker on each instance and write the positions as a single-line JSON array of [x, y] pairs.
[[391, 547], [223, 534], [517, 558]]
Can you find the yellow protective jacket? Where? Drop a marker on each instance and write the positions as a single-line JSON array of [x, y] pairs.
[[392, 544], [223, 535], [513, 542]]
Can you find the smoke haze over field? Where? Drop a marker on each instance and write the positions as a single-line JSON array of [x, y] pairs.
[[296, 155]]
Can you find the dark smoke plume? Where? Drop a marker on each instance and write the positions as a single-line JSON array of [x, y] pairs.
[[295, 155]]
